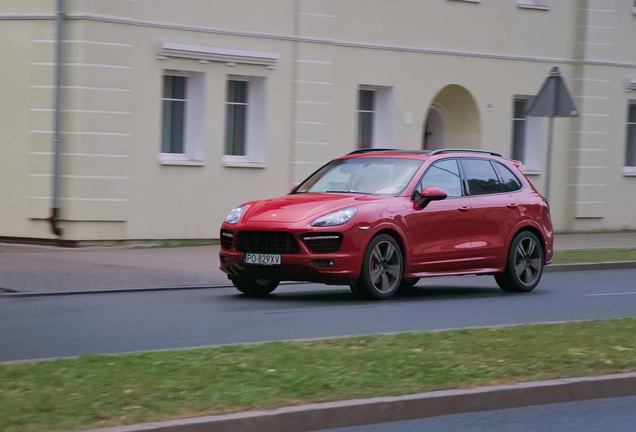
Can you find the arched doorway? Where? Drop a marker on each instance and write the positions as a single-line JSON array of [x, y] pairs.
[[452, 120], [433, 138]]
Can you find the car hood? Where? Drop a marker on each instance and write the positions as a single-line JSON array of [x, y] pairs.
[[298, 207]]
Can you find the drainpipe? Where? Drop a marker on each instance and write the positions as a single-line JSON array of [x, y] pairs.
[[57, 136]]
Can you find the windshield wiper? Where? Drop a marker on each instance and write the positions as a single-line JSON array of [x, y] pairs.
[[347, 191]]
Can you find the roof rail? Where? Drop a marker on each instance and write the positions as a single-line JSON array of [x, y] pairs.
[[371, 150], [451, 150]]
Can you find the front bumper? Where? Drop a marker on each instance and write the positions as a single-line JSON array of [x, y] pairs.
[[306, 255], [331, 269]]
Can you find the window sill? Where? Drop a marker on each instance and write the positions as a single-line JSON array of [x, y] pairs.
[[178, 160], [244, 165], [629, 171], [241, 162], [530, 6]]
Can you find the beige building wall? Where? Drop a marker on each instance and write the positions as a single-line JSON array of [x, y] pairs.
[[464, 61]]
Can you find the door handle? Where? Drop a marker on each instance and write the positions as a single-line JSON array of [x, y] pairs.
[[464, 208], [512, 205]]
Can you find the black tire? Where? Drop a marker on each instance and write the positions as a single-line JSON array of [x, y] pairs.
[[254, 287], [524, 266], [408, 283], [358, 291], [382, 269]]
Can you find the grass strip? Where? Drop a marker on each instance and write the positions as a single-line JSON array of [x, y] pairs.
[[591, 256], [105, 390]]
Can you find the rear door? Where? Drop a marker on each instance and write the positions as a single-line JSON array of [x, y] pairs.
[[495, 209]]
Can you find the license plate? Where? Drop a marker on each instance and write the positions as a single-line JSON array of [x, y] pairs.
[[262, 259]]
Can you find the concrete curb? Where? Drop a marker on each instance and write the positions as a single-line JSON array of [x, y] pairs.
[[612, 265], [11, 293], [388, 409]]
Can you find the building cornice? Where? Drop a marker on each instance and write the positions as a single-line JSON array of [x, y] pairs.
[[316, 40], [27, 17]]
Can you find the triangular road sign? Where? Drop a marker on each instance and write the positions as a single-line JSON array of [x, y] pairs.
[[554, 98]]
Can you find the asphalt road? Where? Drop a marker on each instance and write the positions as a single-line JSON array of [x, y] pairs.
[[598, 415], [41, 327]]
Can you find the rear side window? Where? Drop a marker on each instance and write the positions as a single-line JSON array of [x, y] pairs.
[[481, 176], [510, 182]]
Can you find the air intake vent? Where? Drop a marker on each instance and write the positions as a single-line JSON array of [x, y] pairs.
[[323, 242], [266, 242], [227, 238]]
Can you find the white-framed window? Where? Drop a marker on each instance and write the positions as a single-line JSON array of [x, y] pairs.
[[236, 117], [630, 145], [182, 122], [534, 4], [245, 120], [373, 116], [527, 145]]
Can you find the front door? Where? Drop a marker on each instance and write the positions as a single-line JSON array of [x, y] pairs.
[[441, 233]]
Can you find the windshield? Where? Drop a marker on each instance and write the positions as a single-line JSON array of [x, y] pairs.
[[376, 176]]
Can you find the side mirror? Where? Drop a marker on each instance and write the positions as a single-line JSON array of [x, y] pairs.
[[430, 193]]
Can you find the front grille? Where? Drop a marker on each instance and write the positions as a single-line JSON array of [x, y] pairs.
[[323, 243], [266, 242]]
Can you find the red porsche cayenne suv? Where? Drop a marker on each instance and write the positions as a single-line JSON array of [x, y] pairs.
[[380, 219]]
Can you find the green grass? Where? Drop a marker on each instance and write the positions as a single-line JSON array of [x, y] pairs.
[[97, 391], [589, 256]]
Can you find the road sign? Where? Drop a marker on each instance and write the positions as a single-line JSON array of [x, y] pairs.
[[554, 99]]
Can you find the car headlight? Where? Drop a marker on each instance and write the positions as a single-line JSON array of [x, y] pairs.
[[235, 215], [336, 218]]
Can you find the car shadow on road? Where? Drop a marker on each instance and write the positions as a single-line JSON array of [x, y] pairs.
[[447, 292], [342, 295]]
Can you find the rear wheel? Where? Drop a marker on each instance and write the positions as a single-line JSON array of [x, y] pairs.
[[254, 287], [524, 266], [381, 269]]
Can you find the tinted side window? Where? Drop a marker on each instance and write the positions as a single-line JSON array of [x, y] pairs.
[[445, 175], [481, 176], [510, 181]]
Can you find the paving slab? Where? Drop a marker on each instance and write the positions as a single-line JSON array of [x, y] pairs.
[[591, 241], [30, 269]]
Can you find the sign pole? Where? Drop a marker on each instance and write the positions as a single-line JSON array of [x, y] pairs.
[[548, 168], [553, 100]]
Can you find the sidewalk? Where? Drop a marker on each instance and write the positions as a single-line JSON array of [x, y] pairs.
[[48, 269]]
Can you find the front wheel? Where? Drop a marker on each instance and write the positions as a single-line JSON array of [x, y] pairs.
[[254, 287], [382, 269], [524, 265], [408, 283]]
